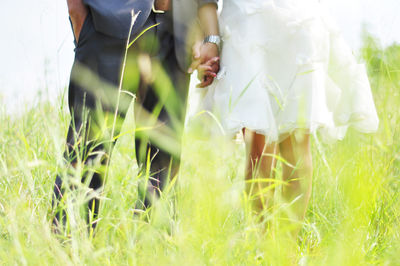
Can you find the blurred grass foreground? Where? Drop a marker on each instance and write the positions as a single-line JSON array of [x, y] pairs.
[[353, 218]]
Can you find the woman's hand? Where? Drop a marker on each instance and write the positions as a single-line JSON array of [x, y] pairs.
[[206, 61], [206, 54]]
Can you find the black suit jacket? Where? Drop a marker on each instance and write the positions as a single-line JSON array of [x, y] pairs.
[[113, 18]]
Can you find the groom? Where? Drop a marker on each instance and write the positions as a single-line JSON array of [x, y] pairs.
[[156, 72]]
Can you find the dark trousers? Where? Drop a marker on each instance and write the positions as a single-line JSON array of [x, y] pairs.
[[152, 74]]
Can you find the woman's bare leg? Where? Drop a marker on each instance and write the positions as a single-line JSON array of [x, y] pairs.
[[296, 150], [259, 165]]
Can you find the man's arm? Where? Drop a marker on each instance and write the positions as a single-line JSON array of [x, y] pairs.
[[77, 12], [208, 17], [207, 52]]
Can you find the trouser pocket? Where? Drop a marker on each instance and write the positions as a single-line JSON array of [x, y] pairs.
[[84, 29]]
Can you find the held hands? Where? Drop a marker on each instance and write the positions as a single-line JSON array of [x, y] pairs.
[[206, 61]]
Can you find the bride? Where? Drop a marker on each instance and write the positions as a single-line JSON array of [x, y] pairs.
[[286, 73]]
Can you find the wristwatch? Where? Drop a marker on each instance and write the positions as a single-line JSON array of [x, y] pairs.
[[213, 39]]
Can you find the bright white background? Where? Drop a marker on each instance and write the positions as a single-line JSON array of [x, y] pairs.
[[36, 47]]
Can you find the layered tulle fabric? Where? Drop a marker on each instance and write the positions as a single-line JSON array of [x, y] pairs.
[[285, 66]]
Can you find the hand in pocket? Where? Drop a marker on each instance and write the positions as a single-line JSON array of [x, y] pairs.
[[77, 12]]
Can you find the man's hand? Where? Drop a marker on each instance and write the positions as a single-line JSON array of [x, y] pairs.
[[207, 72], [206, 61], [205, 55], [77, 12]]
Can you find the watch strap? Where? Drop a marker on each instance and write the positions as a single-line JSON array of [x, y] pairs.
[[213, 39]]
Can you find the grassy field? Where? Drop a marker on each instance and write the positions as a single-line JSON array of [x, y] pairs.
[[353, 218]]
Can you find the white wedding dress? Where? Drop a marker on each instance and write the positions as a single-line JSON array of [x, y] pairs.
[[285, 66]]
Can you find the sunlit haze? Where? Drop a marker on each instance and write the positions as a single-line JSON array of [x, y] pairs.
[[37, 48]]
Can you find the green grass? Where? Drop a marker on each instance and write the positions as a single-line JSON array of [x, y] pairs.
[[353, 218]]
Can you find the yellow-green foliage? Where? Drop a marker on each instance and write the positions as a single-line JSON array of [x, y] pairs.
[[204, 219]]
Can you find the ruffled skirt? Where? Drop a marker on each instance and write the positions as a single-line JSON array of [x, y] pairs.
[[285, 66]]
